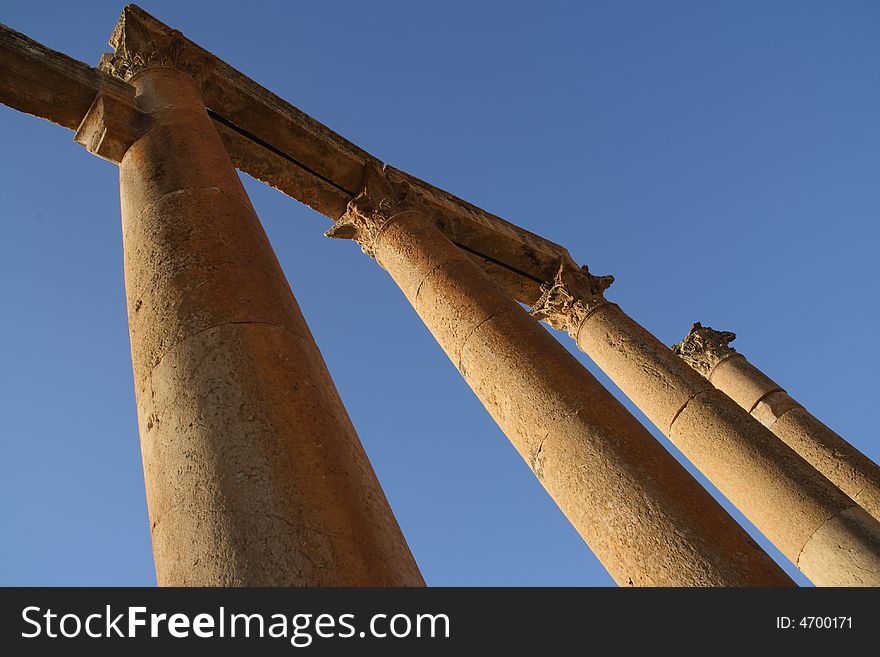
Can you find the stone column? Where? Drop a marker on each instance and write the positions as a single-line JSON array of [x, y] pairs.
[[709, 353], [254, 473], [642, 514], [829, 537]]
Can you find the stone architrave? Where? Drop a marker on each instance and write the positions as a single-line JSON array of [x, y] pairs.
[[829, 537]]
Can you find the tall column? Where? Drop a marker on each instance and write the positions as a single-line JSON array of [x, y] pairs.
[[709, 353], [643, 515], [254, 473], [829, 537]]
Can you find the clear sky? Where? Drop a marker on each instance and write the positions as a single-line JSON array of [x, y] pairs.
[[720, 159]]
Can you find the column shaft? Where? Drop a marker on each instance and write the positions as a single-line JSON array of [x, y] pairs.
[[643, 515], [831, 539], [708, 352], [254, 472]]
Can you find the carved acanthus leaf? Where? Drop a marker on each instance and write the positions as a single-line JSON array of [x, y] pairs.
[[172, 52], [570, 297], [704, 347], [367, 213]]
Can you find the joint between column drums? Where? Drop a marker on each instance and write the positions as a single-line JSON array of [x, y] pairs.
[[816, 531], [146, 207], [428, 275], [173, 346], [764, 396], [722, 360], [474, 330], [392, 219], [589, 314]]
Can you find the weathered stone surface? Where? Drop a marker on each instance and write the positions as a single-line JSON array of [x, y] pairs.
[[137, 48], [253, 478], [643, 515], [254, 473], [774, 487], [772, 407], [735, 375], [110, 127], [371, 210], [657, 381], [851, 536], [853, 472], [570, 297], [704, 348]]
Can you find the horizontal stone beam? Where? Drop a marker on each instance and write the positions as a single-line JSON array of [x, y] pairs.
[[273, 141], [49, 84]]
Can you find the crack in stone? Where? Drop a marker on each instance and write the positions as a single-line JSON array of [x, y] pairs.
[[474, 330], [684, 406], [210, 328], [429, 274], [797, 561], [535, 462], [256, 514]]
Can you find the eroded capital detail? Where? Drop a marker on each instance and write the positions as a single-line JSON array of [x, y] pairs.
[[153, 51], [704, 347], [570, 297], [368, 213]]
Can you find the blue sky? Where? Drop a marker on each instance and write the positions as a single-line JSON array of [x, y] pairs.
[[720, 159]]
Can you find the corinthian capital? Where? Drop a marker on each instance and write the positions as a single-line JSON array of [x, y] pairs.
[[369, 212], [138, 48], [703, 348], [570, 297]]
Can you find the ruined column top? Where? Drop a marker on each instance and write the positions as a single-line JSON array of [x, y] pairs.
[[703, 348], [139, 46], [379, 201], [570, 297]]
